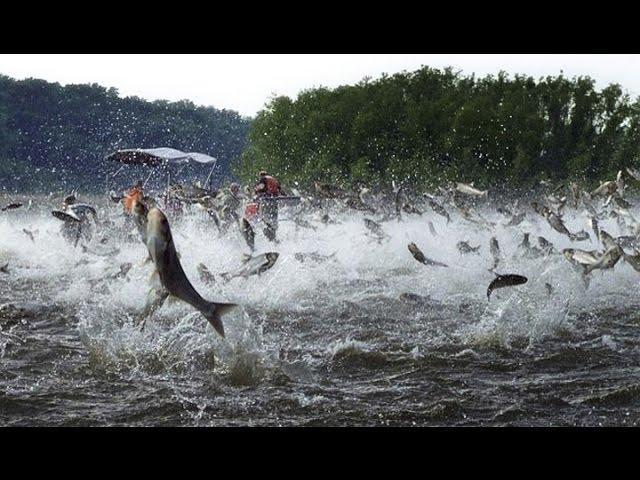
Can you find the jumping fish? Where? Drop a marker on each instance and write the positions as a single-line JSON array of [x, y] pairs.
[[11, 206], [606, 261], [375, 228], [419, 256], [605, 189], [503, 281], [464, 248], [253, 265], [494, 248], [545, 245], [172, 277], [470, 190], [247, 233]]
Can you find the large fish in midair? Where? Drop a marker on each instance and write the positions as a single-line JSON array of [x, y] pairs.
[[375, 228], [581, 257], [247, 233], [419, 256], [606, 261], [464, 248], [494, 248], [557, 224], [11, 206], [470, 190], [593, 223], [169, 270], [313, 257], [253, 265], [607, 240], [605, 189], [620, 186], [503, 281], [432, 229], [634, 173]]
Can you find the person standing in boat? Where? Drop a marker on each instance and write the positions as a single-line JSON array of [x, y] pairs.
[[267, 188]]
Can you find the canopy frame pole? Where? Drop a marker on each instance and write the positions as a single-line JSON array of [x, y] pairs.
[[166, 193], [119, 170], [148, 177], [209, 179]]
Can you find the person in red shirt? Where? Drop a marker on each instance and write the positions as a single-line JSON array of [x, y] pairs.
[[267, 185], [133, 194], [266, 188]]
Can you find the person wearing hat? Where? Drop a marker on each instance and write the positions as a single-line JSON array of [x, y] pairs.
[[133, 194], [267, 188], [267, 185]]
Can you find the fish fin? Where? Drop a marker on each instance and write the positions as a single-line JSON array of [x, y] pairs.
[[154, 279], [214, 312], [171, 299]]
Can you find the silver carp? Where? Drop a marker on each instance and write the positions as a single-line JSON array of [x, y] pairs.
[[172, 277], [470, 190], [253, 265], [419, 256], [504, 281]]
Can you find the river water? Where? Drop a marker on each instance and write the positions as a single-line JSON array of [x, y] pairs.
[[331, 343]]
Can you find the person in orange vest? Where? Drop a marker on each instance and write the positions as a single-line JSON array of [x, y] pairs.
[[268, 187], [132, 195]]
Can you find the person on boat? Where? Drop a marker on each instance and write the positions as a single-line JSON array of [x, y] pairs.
[[134, 193], [266, 190], [267, 186]]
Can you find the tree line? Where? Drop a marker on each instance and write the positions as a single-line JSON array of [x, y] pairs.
[[431, 126], [424, 128], [54, 136]]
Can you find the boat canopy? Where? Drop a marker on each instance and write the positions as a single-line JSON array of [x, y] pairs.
[[158, 156]]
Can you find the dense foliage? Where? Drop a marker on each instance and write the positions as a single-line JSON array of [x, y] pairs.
[[430, 125], [56, 137]]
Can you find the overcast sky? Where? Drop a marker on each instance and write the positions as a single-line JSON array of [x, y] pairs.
[[244, 82]]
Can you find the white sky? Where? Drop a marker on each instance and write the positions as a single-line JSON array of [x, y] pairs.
[[244, 82]]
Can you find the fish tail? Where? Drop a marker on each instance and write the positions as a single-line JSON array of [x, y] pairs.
[[214, 311]]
